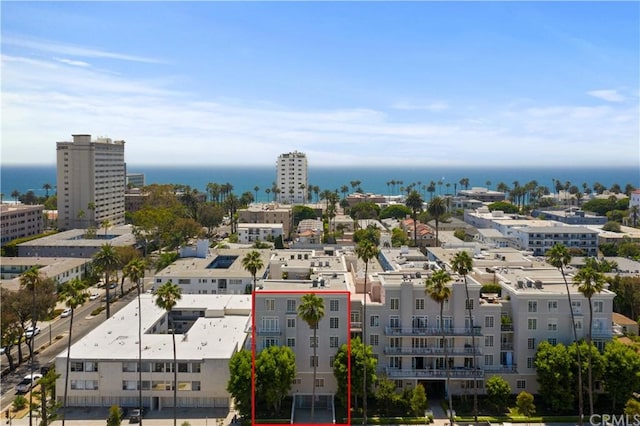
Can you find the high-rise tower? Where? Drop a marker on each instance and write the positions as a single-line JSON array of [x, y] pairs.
[[292, 179], [91, 182]]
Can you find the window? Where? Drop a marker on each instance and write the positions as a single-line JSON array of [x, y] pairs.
[[576, 306], [320, 383], [488, 341], [532, 306], [578, 324], [334, 305], [530, 362], [394, 303], [291, 306], [532, 324], [521, 384], [394, 342], [552, 340], [468, 304], [195, 367], [374, 320], [552, 324], [488, 360], [373, 339], [313, 342], [183, 367], [270, 341], [270, 324], [291, 323], [334, 342], [77, 366], [332, 360], [291, 342], [195, 386], [531, 343], [598, 306], [334, 322], [552, 305], [313, 361], [355, 316], [129, 367], [488, 321], [419, 304], [394, 321], [91, 366], [270, 304], [127, 385]]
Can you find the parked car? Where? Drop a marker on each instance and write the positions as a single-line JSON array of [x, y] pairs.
[[94, 296], [113, 285], [136, 415], [31, 332], [28, 383], [66, 313]]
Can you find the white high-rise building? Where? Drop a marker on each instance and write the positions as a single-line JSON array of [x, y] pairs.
[[91, 182], [292, 178]]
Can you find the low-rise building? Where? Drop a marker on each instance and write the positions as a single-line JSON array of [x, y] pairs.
[[482, 194], [572, 216], [60, 270], [251, 232], [20, 221], [267, 213]]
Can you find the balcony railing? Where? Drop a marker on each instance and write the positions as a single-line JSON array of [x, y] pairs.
[[459, 373], [431, 351], [502, 369], [506, 327], [506, 346], [269, 332], [415, 331], [357, 325]]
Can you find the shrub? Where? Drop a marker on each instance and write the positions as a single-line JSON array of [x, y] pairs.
[[19, 403]]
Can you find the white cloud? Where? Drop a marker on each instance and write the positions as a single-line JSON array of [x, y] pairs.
[[607, 95], [410, 106], [72, 62]]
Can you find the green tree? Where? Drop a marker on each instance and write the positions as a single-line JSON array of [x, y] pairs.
[[559, 257], [386, 395], [361, 354], [414, 202], [504, 206], [240, 378], [47, 187], [418, 400], [107, 261], [554, 370], [437, 289], [524, 402], [311, 310], [275, 371], [396, 211], [621, 378], [10, 328], [300, 213], [366, 250], [437, 208], [498, 392], [210, 216], [589, 281], [74, 294], [115, 416], [47, 405], [632, 408], [252, 263], [462, 264], [398, 237], [364, 210], [166, 298], [611, 227]]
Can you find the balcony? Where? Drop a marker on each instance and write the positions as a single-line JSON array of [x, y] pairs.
[[506, 346], [439, 352], [506, 327], [356, 325], [455, 373], [502, 369], [415, 331], [269, 332]]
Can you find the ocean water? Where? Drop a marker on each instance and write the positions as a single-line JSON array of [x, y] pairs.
[[373, 179]]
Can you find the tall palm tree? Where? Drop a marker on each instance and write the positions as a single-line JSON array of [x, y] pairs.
[[135, 271], [167, 296], [437, 208], [436, 288], [74, 294], [366, 250], [107, 260], [47, 187], [589, 281], [252, 263], [256, 189], [414, 202], [15, 194], [559, 257], [32, 280], [462, 264], [311, 310]]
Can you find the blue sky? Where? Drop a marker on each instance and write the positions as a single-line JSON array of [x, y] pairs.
[[379, 83]]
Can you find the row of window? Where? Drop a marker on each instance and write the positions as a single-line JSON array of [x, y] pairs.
[[552, 306], [147, 367], [160, 385]]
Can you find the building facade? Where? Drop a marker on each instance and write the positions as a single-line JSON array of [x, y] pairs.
[[19, 221], [292, 178], [90, 182]]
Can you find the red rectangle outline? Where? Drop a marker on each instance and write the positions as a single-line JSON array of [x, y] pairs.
[[253, 352]]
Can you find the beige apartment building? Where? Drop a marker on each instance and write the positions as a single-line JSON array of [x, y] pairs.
[[292, 178], [90, 182], [19, 221]]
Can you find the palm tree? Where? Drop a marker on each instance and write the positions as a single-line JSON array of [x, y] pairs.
[[311, 310], [559, 257], [15, 194], [107, 260], [256, 189], [589, 281], [414, 202], [252, 263], [462, 264], [436, 288], [32, 280], [135, 271], [167, 296], [74, 294], [47, 187], [366, 250], [437, 208]]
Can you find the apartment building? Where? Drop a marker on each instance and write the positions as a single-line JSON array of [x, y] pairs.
[[19, 221], [104, 364], [59, 269], [481, 194], [292, 178], [267, 213], [90, 182], [251, 232], [572, 216]]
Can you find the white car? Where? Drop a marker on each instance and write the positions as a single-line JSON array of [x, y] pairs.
[[27, 383], [31, 332], [94, 296], [66, 313]]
